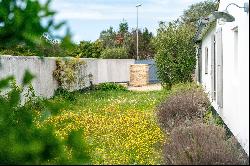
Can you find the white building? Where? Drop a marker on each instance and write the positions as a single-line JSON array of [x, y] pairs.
[[223, 66]]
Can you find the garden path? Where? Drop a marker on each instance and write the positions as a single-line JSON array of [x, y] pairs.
[[149, 87]]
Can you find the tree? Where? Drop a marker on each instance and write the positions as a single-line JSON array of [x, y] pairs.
[[174, 44], [175, 58], [87, 49], [22, 141], [123, 38], [107, 37], [123, 27], [198, 10], [146, 48]]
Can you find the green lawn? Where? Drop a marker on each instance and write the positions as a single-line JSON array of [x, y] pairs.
[[119, 126]]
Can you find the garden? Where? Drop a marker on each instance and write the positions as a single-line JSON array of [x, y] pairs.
[[105, 123]]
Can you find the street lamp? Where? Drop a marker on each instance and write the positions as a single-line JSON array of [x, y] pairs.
[[137, 56], [225, 16]]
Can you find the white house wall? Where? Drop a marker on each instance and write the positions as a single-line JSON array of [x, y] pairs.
[[235, 111], [206, 78]]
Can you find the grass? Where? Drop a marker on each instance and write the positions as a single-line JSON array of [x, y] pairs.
[[119, 126]]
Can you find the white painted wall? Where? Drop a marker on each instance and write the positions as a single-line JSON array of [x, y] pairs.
[[103, 70], [206, 78], [235, 111]]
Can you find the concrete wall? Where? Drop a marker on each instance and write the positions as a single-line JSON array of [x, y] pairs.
[[44, 83], [103, 70], [114, 70], [235, 110]]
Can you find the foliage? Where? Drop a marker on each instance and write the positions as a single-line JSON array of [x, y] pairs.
[[107, 37], [87, 49], [175, 45], [175, 58], [146, 49], [195, 12], [202, 144], [67, 72], [47, 47], [197, 136], [22, 142], [31, 37], [50, 47], [128, 39], [198, 10], [114, 53], [123, 27], [211, 118], [182, 107], [17, 29], [119, 126], [110, 86], [66, 95], [18, 50], [208, 27]]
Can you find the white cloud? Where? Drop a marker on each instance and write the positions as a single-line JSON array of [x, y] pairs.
[[101, 11]]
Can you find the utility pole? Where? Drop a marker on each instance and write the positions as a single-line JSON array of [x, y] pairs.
[[137, 37]]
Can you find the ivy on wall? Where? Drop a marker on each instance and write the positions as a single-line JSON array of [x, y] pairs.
[[69, 72]]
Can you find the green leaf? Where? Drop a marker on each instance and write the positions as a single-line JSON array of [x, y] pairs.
[[5, 82], [58, 26], [14, 98], [27, 77]]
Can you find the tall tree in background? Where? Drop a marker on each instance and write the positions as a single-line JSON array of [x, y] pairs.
[[196, 11], [123, 27], [126, 39], [146, 48], [107, 37]]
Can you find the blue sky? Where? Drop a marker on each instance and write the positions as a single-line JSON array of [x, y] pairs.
[[87, 18]]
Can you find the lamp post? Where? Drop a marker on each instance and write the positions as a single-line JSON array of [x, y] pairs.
[[137, 43]]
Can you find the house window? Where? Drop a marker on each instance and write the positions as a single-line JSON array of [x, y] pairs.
[[206, 60]]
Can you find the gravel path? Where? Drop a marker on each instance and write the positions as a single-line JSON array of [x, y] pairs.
[[150, 87]]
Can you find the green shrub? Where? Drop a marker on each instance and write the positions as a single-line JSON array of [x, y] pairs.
[[67, 72], [110, 86], [70, 96], [175, 58], [87, 49], [19, 50], [211, 118], [182, 107], [114, 53], [23, 141], [202, 144], [45, 48]]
